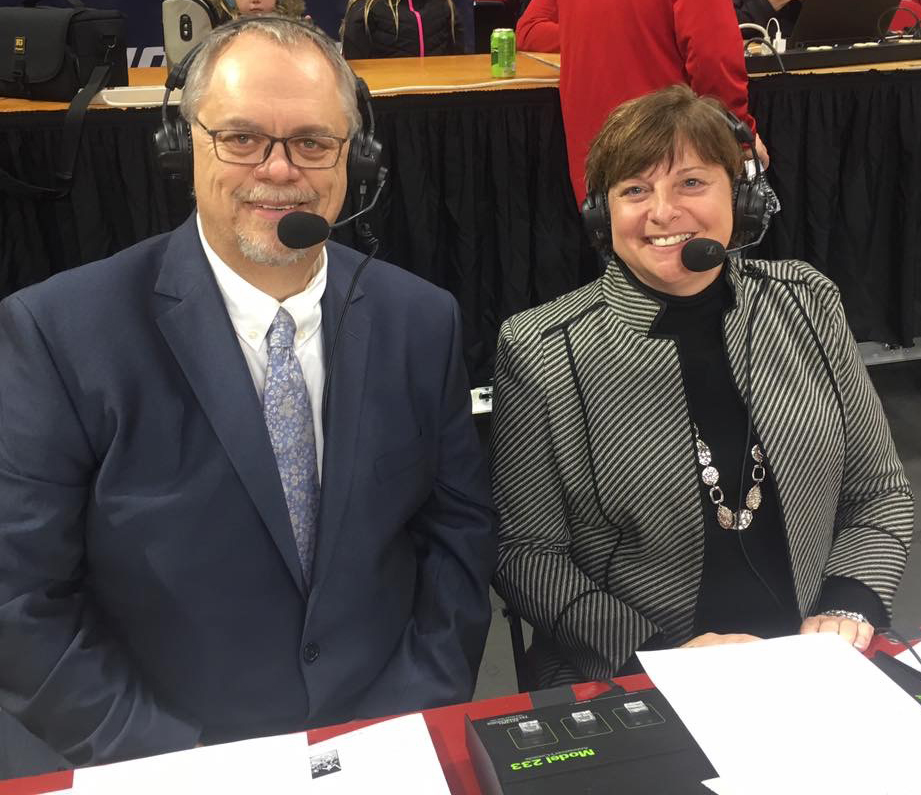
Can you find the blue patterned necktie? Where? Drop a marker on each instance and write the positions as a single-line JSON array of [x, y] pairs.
[[289, 419]]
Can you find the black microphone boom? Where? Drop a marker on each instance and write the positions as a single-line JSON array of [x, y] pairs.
[[702, 254], [302, 230]]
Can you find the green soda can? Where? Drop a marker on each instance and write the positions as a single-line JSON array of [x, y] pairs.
[[502, 47]]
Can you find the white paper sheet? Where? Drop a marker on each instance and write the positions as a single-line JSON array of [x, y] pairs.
[[393, 757], [274, 765], [803, 714], [909, 659]]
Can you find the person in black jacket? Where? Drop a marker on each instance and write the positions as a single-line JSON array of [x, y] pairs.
[[760, 11], [401, 28]]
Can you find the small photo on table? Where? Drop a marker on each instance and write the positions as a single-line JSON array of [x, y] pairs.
[[324, 764]]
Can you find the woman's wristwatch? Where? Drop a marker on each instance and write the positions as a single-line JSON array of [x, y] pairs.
[[860, 618]]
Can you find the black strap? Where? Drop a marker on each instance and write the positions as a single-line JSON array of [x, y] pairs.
[[73, 133]]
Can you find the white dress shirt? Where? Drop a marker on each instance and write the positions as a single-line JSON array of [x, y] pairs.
[[252, 312]]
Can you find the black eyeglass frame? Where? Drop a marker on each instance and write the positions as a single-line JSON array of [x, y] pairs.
[[272, 140]]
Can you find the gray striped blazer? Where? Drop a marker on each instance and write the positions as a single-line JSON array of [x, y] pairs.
[[594, 470]]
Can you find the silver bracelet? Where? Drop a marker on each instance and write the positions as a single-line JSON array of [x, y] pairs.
[[860, 618]]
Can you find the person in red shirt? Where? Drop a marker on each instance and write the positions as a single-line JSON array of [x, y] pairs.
[[616, 50]]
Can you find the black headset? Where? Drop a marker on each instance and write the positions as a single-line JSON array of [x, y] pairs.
[[173, 139], [750, 211]]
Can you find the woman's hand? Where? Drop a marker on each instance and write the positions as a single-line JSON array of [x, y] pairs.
[[713, 639], [857, 633]]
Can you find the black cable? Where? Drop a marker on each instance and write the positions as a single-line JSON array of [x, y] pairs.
[[901, 639], [331, 361], [748, 432], [364, 232], [771, 47]]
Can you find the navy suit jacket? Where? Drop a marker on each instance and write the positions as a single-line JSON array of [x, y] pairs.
[[150, 589]]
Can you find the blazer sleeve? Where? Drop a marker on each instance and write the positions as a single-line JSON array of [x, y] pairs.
[[708, 37], [873, 524], [61, 673], [536, 574], [538, 29], [454, 533]]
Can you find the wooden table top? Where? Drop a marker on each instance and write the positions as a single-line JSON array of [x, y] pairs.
[[435, 75]]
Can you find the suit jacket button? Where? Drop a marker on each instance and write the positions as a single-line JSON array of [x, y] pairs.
[[311, 652]]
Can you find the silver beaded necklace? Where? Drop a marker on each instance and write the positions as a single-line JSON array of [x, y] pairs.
[[710, 476]]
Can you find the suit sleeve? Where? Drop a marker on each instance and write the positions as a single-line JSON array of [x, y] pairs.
[[873, 524], [708, 38], [61, 673], [538, 29], [536, 574], [454, 532]]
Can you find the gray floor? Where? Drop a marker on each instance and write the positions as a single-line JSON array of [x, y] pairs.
[[899, 387]]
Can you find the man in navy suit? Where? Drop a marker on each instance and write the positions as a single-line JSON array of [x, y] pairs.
[[186, 556]]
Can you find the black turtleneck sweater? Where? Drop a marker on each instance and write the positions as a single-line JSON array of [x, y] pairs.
[[747, 583]]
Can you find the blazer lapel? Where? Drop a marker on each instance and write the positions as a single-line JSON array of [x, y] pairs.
[[804, 450], [196, 326], [341, 423]]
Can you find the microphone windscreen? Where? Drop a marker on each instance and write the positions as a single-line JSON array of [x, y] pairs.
[[701, 254], [302, 230]]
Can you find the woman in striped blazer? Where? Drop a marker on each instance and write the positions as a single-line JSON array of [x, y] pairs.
[[688, 457]]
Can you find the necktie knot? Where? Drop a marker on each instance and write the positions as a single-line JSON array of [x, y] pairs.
[[281, 332]]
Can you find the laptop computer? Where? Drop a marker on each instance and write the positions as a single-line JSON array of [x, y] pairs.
[[841, 21]]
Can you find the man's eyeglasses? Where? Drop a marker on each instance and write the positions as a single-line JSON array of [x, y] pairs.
[[243, 148]]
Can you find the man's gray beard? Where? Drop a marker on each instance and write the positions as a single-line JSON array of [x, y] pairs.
[[262, 253]]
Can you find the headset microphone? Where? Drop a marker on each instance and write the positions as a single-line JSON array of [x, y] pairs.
[[702, 254], [302, 230]]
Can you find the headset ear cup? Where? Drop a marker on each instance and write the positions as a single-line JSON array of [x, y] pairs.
[[748, 212], [596, 219], [173, 144], [364, 163]]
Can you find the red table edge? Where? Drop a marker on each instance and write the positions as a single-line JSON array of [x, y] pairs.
[[445, 725]]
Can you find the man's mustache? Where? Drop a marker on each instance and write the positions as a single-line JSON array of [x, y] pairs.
[[268, 196]]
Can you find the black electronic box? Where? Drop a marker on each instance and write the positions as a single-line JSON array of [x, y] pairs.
[[624, 744]]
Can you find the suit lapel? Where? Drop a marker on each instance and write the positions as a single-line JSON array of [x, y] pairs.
[[196, 326], [343, 418]]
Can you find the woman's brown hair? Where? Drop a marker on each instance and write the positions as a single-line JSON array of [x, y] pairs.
[[654, 129]]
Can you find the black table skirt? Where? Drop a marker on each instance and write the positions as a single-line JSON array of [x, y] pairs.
[[479, 201], [846, 164]]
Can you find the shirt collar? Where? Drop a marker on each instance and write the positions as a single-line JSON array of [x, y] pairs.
[[252, 311]]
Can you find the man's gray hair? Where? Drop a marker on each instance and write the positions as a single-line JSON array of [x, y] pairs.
[[286, 32]]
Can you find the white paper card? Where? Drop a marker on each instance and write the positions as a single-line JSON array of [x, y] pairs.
[[274, 765], [806, 714], [394, 757]]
